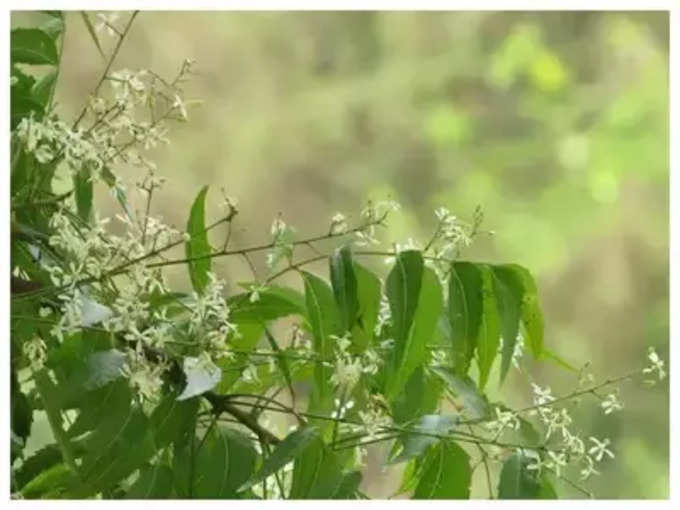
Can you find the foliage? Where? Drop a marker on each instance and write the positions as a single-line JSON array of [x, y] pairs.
[[152, 393]]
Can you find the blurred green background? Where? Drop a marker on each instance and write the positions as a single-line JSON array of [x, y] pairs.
[[556, 123]]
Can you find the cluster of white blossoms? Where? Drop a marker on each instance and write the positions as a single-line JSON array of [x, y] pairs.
[[655, 366], [372, 214], [209, 321], [338, 224], [348, 367], [384, 314]]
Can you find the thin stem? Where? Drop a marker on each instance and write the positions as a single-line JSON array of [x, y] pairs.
[[113, 56]]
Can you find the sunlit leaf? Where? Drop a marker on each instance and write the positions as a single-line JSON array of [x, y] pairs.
[[345, 286], [464, 312], [32, 46]]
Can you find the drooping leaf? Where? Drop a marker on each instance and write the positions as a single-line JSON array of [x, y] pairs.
[[21, 411], [32, 46], [154, 482], [345, 286], [489, 329], [474, 403], [286, 451], [409, 352], [197, 247], [348, 485], [318, 474], [464, 312], [225, 461], [37, 463], [201, 375], [51, 483], [532, 315], [99, 405], [509, 292], [516, 481], [416, 442], [446, 473]]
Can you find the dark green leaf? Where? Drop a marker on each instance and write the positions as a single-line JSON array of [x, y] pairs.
[[345, 286], [516, 481], [198, 248], [32, 46], [83, 193], [409, 351], [225, 461], [348, 485], [37, 463], [50, 483], [420, 396], [21, 411], [286, 451], [154, 482], [446, 473], [324, 320], [489, 329], [119, 446], [172, 419], [403, 290], [369, 291], [465, 312]]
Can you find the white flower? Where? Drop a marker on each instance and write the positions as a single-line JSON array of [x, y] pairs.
[[43, 154], [341, 410], [611, 403], [338, 224], [589, 468], [347, 372], [656, 366], [278, 227], [557, 461], [542, 395], [35, 350], [179, 105], [600, 448]]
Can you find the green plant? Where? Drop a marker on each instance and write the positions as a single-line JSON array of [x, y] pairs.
[[153, 393]]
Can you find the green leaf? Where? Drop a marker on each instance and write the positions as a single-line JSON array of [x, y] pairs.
[[409, 351], [172, 419], [21, 411], [43, 88], [532, 315], [286, 451], [32, 46], [225, 461], [416, 442], [403, 290], [50, 483], [37, 463], [345, 286], [92, 32], [348, 485], [274, 303], [324, 321], [119, 446], [250, 334], [306, 469], [516, 481], [281, 361], [474, 403], [198, 245], [154, 482], [446, 473], [548, 355], [489, 329], [420, 396], [369, 292], [465, 312], [317, 474], [48, 393], [83, 193]]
